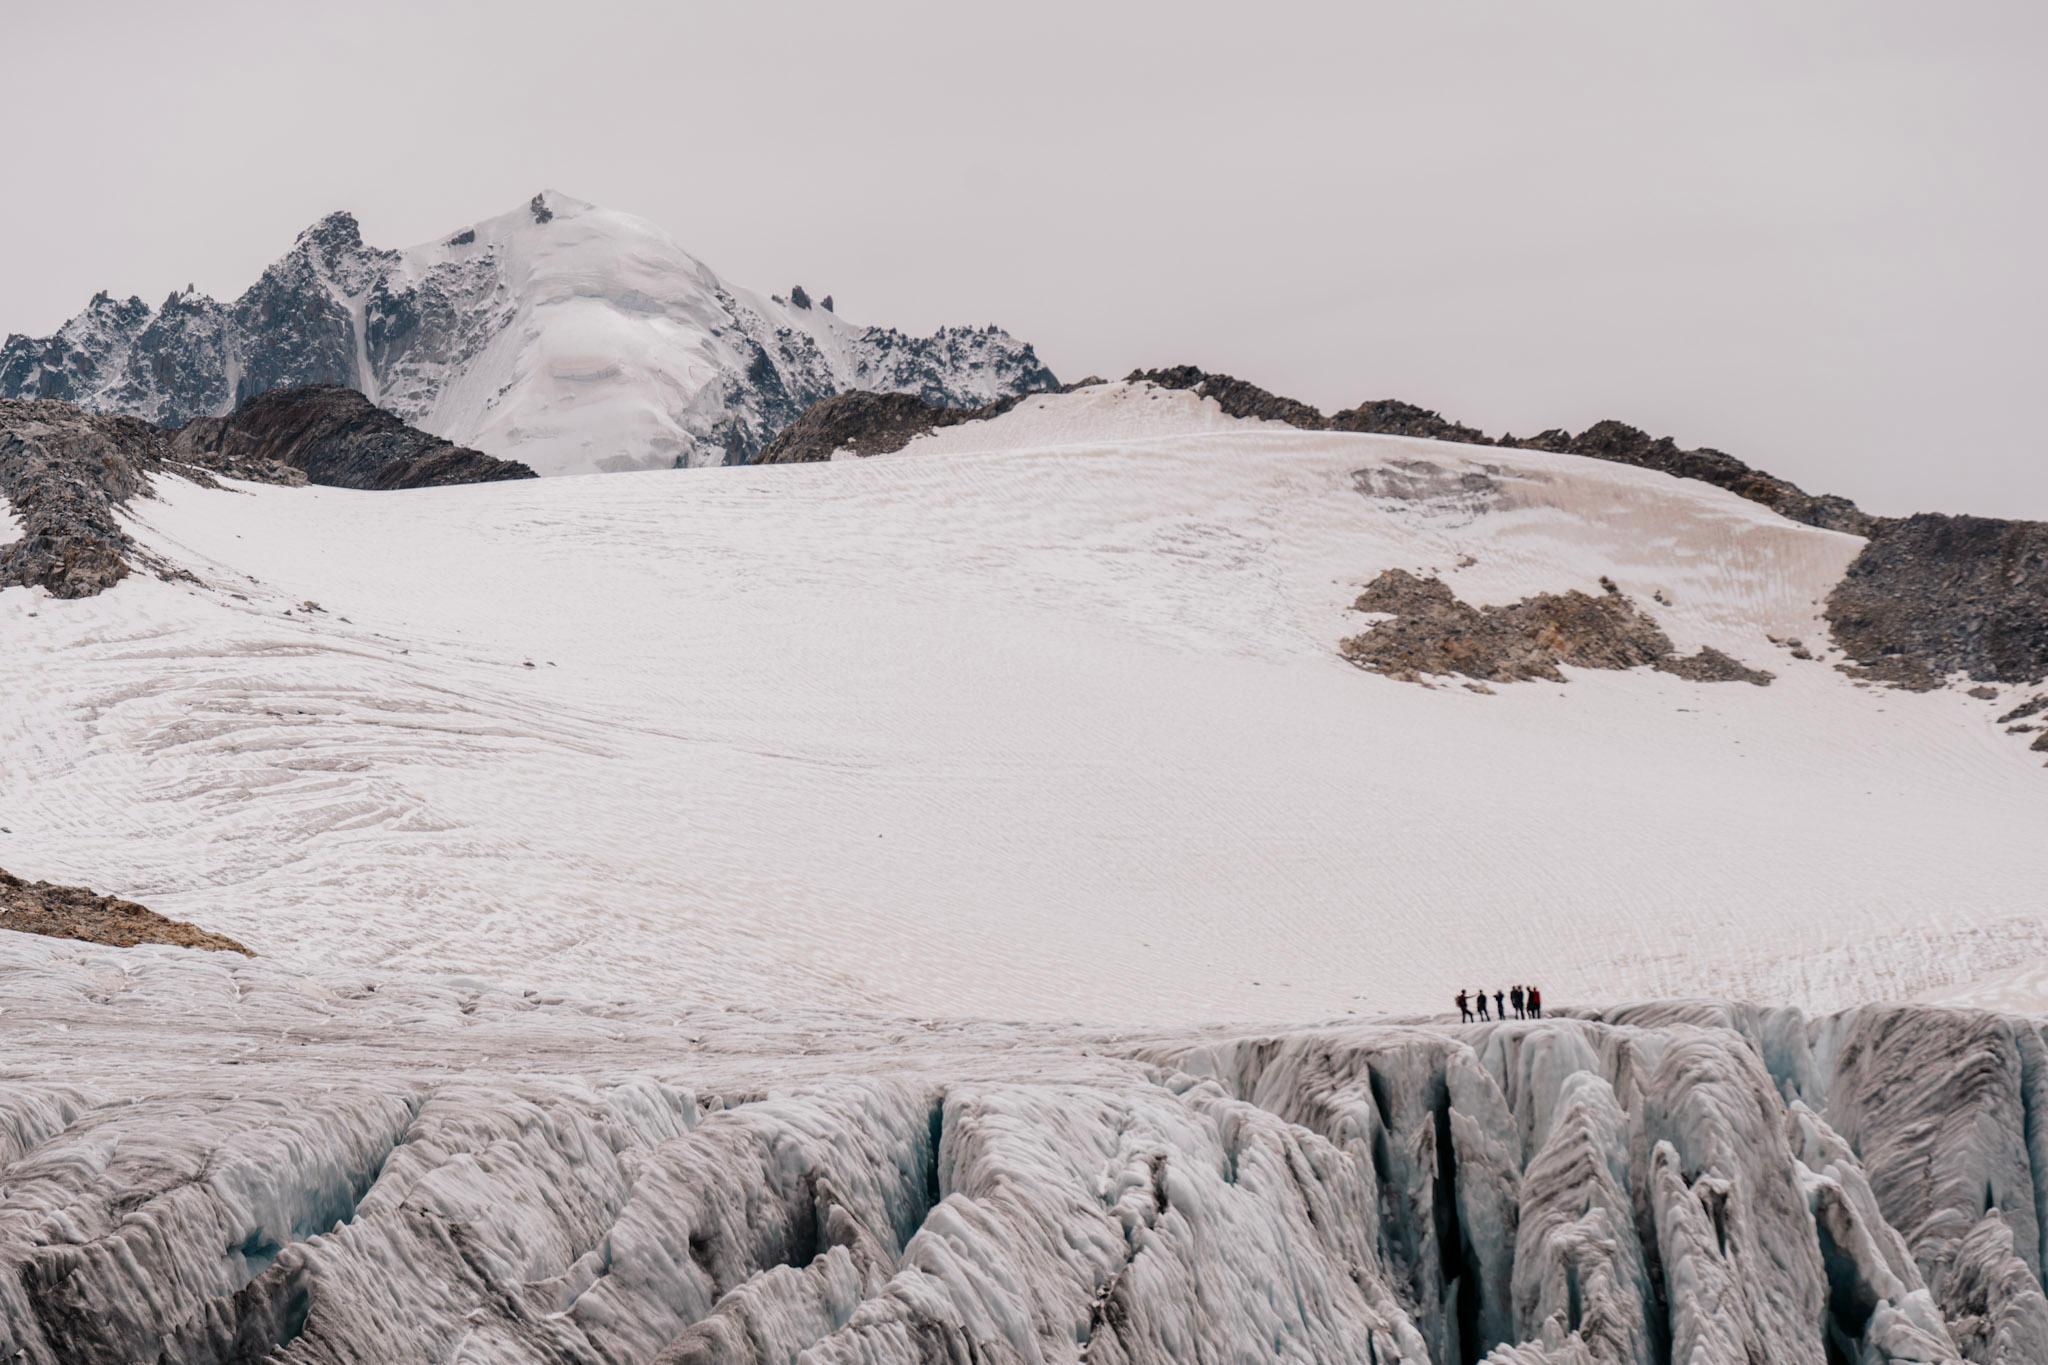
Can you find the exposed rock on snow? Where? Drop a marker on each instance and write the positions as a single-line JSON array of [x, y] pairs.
[[1391, 417], [862, 423], [75, 912], [1234, 396], [1432, 632], [1934, 595], [339, 438], [569, 337], [64, 471]]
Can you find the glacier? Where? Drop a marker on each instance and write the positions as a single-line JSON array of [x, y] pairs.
[[265, 1164], [960, 905], [566, 336]]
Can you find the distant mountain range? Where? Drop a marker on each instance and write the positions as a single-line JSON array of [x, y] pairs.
[[569, 337]]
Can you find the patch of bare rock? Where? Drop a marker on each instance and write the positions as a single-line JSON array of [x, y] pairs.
[[1432, 633], [1933, 595], [75, 912]]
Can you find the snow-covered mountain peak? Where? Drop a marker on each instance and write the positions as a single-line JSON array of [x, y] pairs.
[[573, 337]]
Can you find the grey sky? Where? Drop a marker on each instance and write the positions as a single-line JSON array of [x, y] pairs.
[[1809, 233]]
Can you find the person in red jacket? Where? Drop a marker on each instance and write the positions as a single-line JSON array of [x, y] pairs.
[[1535, 1003]]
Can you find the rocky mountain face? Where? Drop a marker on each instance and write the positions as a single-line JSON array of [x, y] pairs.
[[569, 337], [337, 437], [66, 472], [1934, 595]]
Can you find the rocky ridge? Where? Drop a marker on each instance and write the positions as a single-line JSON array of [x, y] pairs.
[[337, 437]]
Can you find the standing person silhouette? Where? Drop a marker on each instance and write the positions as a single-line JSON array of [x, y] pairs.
[[1535, 1003], [1500, 1006], [1464, 1008], [1515, 999], [1482, 1007]]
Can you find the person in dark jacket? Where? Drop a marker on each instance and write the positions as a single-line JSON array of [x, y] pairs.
[[1535, 1003], [1464, 1008], [1482, 1007], [1515, 999], [1500, 1005]]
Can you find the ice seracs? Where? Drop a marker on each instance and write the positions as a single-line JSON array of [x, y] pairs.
[[207, 1158], [569, 337]]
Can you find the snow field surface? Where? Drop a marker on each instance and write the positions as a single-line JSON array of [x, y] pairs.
[[1041, 718]]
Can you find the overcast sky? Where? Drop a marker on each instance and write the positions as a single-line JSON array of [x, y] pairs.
[[1808, 233]]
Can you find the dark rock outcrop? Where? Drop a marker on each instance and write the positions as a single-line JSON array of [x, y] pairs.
[[868, 424], [64, 471], [1933, 595], [1432, 632], [1234, 396], [76, 912], [339, 438], [1392, 417]]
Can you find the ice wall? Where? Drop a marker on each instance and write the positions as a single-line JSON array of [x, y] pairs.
[[1687, 1183]]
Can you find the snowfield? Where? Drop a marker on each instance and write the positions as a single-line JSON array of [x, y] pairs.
[[1040, 719]]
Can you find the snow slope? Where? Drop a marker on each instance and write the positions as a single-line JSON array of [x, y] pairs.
[[1041, 718]]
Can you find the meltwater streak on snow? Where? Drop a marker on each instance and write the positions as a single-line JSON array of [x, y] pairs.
[[1026, 722]]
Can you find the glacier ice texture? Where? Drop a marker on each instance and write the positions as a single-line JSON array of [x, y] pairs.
[[209, 1161]]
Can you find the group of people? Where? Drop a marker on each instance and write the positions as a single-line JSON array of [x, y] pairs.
[[1525, 1001]]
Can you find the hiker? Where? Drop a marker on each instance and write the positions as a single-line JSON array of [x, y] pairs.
[[1515, 999], [1500, 1006], [1483, 1016], [1464, 1008], [1535, 1003]]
